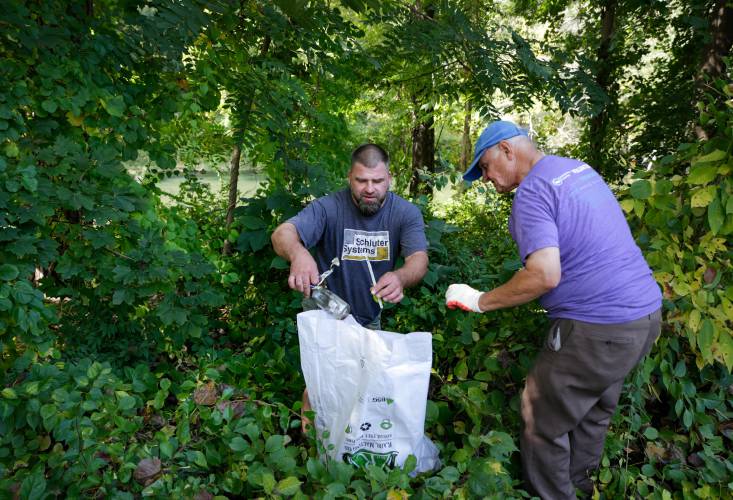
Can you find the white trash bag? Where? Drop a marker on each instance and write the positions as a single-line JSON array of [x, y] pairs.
[[368, 389]]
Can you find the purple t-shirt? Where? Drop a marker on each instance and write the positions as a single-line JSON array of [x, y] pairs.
[[336, 228], [564, 203]]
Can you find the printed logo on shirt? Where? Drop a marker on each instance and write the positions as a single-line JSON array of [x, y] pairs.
[[362, 245], [557, 181]]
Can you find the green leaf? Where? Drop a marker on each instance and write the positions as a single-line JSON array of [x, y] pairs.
[[29, 182], [716, 155], [48, 411], [663, 186], [476, 395], [23, 292], [199, 459], [651, 433], [118, 297], [705, 338], [410, 464], [166, 449], [461, 455], [115, 106], [12, 186], [702, 174], [8, 272], [238, 444], [288, 486], [126, 403], [11, 150], [279, 263], [259, 240], [251, 223], [9, 393], [605, 476], [725, 347], [703, 196], [716, 217], [274, 443], [33, 487], [49, 105], [641, 189], [678, 407], [687, 418], [461, 370], [268, 482]]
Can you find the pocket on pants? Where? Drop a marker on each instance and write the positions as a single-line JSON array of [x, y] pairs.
[[558, 334]]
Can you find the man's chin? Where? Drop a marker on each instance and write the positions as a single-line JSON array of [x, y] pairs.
[[368, 208]]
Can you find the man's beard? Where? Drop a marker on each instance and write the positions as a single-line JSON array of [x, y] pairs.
[[369, 208]]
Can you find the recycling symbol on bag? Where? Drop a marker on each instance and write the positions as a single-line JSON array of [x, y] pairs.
[[386, 424], [365, 426]]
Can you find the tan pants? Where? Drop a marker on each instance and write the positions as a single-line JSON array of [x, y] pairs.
[[570, 396]]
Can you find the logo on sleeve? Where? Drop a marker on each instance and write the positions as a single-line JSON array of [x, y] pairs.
[[562, 178], [361, 245]]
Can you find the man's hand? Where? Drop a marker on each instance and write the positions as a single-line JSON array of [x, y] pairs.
[[303, 273], [463, 296], [389, 288]]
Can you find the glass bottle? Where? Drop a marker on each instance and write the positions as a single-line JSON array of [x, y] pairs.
[[330, 302]]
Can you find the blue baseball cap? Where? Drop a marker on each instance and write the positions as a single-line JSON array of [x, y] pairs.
[[492, 135]]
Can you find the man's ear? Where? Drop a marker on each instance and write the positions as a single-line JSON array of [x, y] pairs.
[[506, 148]]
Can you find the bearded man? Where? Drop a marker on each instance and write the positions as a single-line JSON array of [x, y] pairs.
[[363, 221]]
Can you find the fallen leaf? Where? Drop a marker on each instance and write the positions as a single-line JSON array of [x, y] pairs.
[[236, 406], [147, 471], [206, 394], [655, 452], [203, 495], [694, 460]]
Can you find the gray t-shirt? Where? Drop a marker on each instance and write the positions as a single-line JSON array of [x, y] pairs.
[[334, 225]]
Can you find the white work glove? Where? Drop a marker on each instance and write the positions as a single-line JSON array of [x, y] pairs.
[[462, 296]]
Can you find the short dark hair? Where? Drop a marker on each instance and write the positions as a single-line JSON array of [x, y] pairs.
[[370, 155]]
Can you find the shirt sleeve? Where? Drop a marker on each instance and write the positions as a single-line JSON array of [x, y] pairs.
[[533, 218], [412, 233], [310, 223]]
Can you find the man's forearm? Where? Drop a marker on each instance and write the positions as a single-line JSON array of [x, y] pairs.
[[413, 270], [286, 242], [523, 287]]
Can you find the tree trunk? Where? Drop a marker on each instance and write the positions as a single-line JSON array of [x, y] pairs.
[[233, 181], [237, 155], [423, 147], [599, 123], [423, 133], [466, 157], [721, 33]]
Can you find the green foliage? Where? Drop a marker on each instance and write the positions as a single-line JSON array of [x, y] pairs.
[[685, 223], [83, 92], [670, 437], [139, 361]]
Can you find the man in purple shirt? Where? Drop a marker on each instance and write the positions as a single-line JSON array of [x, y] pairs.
[[581, 261]]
